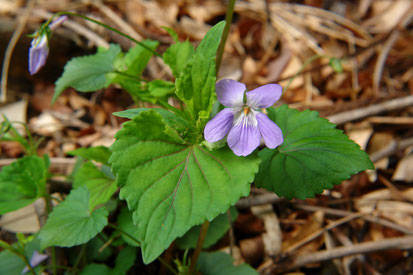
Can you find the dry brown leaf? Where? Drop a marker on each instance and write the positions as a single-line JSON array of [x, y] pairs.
[[379, 141], [293, 66], [15, 112], [206, 11], [24, 220], [386, 15], [381, 202], [272, 239], [45, 124], [359, 132], [315, 223], [193, 28], [404, 169]]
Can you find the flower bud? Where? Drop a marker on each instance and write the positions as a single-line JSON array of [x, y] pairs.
[[39, 49], [38, 53]]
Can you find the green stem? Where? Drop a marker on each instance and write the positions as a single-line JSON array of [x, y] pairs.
[[225, 33], [54, 270], [125, 233], [139, 243], [19, 254], [79, 257], [105, 26], [306, 63], [68, 268], [128, 75], [198, 248], [168, 266], [49, 208], [26, 261]]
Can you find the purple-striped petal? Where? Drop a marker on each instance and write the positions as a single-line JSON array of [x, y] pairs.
[[264, 96], [230, 93], [38, 53], [270, 132], [218, 127], [243, 139]]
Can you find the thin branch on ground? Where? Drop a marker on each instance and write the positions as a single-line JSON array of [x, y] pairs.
[[10, 47], [324, 255]]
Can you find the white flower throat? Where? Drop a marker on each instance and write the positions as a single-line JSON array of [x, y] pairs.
[[244, 115]]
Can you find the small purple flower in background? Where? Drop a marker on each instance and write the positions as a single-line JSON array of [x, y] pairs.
[[35, 260], [38, 53], [243, 123], [39, 49]]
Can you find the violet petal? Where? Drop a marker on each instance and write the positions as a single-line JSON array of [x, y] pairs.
[[38, 54], [35, 260], [270, 132], [264, 96], [218, 127], [243, 139], [230, 93]]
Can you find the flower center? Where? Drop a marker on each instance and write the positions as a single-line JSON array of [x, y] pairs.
[[246, 110]]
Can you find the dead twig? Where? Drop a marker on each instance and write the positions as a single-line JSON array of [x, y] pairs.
[[10, 47], [319, 232], [54, 162], [378, 69], [343, 213], [268, 198], [390, 105], [324, 255], [125, 27], [392, 148]]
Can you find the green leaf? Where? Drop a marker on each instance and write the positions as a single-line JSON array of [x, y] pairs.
[[22, 182], [172, 33], [216, 230], [335, 63], [100, 186], [136, 59], [171, 187], [177, 128], [93, 269], [88, 73], [93, 250], [161, 88], [99, 153], [11, 264], [132, 66], [196, 86], [177, 56], [124, 260], [313, 157], [125, 223], [220, 263], [71, 223]]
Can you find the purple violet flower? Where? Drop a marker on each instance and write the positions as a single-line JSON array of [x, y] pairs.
[[35, 260], [243, 123], [38, 53], [39, 49]]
